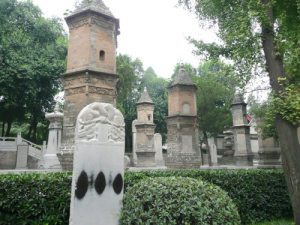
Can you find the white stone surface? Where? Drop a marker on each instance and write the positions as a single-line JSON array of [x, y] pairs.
[[213, 151], [134, 144], [54, 139], [98, 173], [22, 156], [187, 143], [100, 122], [158, 150]]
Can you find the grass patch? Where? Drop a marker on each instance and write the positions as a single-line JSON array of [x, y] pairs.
[[278, 222]]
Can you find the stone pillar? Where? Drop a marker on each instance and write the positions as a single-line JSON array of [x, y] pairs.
[[54, 139], [228, 158], [22, 155], [145, 131], [158, 150], [213, 151], [269, 150], [243, 155], [134, 146], [98, 174]]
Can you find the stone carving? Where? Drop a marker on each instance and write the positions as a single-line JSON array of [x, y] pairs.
[[102, 23], [98, 172], [100, 117], [74, 91], [77, 24], [101, 90]]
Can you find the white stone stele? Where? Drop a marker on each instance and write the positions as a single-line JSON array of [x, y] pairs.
[[158, 150], [98, 172], [134, 144], [213, 151]]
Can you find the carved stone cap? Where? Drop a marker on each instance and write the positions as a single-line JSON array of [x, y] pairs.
[[92, 5], [145, 98], [182, 78], [56, 115], [90, 71], [100, 122], [238, 99]]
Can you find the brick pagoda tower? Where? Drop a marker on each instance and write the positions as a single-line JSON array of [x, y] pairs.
[[182, 139], [145, 131], [91, 67]]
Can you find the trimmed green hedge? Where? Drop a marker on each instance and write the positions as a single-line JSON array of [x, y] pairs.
[[35, 199], [260, 195], [45, 198], [177, 200]]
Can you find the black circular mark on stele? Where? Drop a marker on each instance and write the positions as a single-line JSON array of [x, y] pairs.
[[118, 184], [100, 183], [81, 185]]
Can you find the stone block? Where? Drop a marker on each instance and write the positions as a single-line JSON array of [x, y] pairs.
[[8, 159], [158, 150], [22, 156], [145, 159], [98, 173]]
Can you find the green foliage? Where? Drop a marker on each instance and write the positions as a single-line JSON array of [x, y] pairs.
[[260, 195], [129, 70], [33, 50], [35, 199], [265, 118], [157, 89], [216, 85], [279, 222], [177, 200], [240, 25], [287, 104]]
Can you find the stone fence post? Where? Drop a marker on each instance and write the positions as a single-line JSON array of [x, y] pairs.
[[54, 139]]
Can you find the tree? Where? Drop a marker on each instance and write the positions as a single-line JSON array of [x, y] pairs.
[[265, 34], [130, 71], [157, 89], [32, 57]]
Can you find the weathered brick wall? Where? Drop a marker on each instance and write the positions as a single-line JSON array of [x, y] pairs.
[[143, 111], [180, 95]]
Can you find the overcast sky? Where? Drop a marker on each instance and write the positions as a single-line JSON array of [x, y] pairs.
[[154, 31]]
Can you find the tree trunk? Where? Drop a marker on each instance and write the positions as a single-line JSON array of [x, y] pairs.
[[201, 153], [288, 136], [207, 148], [290, 154], [29, 132], [8, 128], [3, 128], [34, 127]]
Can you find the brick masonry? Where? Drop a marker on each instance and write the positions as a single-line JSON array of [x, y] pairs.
[[182, 138], [91, 69]]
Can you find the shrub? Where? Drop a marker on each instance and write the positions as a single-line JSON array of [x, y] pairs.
[[260, 195], [45, 198], [177, 200], [35, 199]]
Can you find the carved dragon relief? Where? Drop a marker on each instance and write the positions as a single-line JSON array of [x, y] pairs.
[[98, 118]]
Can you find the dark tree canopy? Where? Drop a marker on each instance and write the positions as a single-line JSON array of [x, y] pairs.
[[32, 56]]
